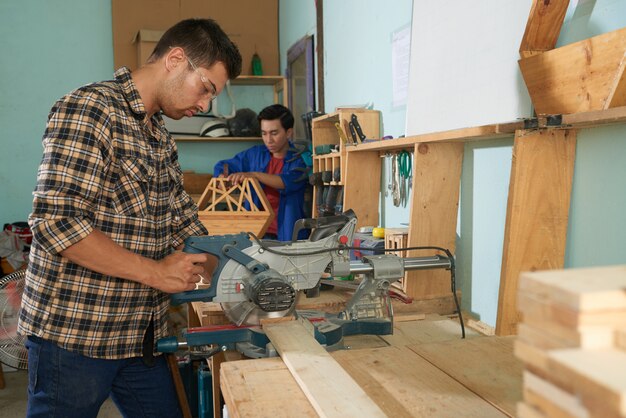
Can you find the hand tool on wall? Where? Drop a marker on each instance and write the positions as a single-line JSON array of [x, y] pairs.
[[395, 181], [404, 169], [355, 127], [342, 134], [355, 137]]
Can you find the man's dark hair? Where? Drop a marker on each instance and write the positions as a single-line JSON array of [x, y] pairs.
[[204, 42], [277, 111]]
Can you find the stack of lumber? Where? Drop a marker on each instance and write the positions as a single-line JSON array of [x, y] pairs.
[[573, 342]]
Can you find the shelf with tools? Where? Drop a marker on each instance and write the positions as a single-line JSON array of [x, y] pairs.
[[332, 135]]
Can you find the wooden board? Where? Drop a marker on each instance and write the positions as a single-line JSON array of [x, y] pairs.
[[433, 214], [538, 311], [262, 388], [551, 399], [525, 410], [594, 289], [329, 388], [598, 376], [543, 26], [406, 385], [577, 77], [402, 383], [537, 213], [427, 331], [484, 365], [617, 92]]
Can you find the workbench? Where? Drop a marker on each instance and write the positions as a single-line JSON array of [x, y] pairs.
[[423, 370]]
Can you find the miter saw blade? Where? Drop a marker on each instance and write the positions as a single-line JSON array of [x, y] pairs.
[[247, 313]]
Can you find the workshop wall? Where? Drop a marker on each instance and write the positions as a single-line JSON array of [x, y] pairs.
[[597, 228], [49, 48], [358, 69]]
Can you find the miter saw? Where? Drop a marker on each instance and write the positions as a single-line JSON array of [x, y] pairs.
[[257, 279]]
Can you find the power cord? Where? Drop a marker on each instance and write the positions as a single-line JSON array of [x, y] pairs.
[[449, 256]]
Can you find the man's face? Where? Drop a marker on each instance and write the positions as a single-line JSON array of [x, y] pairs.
[[275, 137], [190, 89]]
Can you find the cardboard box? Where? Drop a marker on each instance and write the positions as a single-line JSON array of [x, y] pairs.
[[145, 41], [251, 24]]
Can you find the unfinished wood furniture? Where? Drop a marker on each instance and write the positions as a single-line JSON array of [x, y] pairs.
[[360, 192], [576, 86], [569, 342], [583, 76], [543, 156], [403, 379], [228, 208]]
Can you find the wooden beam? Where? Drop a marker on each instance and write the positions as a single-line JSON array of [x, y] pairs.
[[433, 215], [493, 131], [543, 26], [577, 77], [617, 95], [537, 213], [329, 388]]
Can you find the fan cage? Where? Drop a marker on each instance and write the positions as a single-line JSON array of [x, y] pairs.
[[13, 353]]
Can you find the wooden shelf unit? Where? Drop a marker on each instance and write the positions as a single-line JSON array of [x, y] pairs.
[[365, 172], [538, 201]]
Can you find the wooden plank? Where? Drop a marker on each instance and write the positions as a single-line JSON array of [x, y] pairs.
[[549, 336], [559, 314], [493, 131], [617, 92], [543, 26], [595, 289], [427, 331], [525, 410], [551, 399], [537, 213], [597, 376], [178, 385], [362, 173], [329, 388], [406, 385], [262, 388], [486, 366], [215, 363], [620, 338], [576, 77], [433, 213], [595, 118]]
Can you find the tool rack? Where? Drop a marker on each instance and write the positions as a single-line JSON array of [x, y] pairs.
[[362, 190]]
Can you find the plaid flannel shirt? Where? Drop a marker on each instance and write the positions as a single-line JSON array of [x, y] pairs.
[[103, 168]]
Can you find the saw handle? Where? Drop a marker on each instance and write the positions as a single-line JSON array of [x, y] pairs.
[[216, 246]]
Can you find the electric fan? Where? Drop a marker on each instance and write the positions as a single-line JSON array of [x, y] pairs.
[[12, 350]]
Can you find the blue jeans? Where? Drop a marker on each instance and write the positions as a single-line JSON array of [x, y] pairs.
[[66, 384]]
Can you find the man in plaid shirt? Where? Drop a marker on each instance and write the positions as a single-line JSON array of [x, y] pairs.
[[109, 212]]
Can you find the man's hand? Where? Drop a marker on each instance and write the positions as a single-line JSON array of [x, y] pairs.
[[179, 272]]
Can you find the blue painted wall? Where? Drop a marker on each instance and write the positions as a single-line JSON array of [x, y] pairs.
[[596, 229], [50, 47]]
